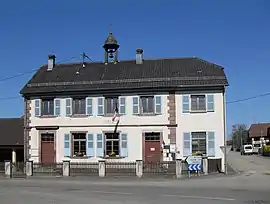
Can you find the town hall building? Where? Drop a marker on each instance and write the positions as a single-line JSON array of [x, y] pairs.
[[125, 110]]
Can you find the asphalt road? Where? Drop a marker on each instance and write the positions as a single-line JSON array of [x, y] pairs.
[[219, 190], [249, 164]]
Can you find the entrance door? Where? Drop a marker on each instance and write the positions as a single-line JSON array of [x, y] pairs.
[[152, 148], [47, 148]]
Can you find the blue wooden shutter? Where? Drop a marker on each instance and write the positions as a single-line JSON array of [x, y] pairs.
[[135, 105], [185, 103], [67, 145], [158, 105], [37, 107], [211, 143], [123, 145], [122, 105], [68, 106], [90, 145], [100, 145], [187, 151], [89, 106], [100, 106], [210, 103], [57, 107]]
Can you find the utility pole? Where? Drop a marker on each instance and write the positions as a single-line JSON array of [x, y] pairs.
[[225, 133]]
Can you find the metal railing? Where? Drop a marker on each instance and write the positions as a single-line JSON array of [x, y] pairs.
[[120, 168], [2, 168], [165, 168], [84, 169], [40, 169], [18, 170]]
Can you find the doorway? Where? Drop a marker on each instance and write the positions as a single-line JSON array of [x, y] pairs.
[[47, 148], [152, 147]]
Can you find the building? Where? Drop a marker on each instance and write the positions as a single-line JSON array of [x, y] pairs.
[[168, 108], [11, 139], [259, 133]]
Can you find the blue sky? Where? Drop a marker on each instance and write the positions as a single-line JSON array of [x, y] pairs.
[[234, 34]]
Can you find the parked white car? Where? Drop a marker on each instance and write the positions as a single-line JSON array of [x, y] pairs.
[[247, 150]]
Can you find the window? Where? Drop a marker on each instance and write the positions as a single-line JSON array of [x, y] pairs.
[[79, 106], [47, 107], [147, 104], [112, 144], [198, 103], [47, 137], [111, 104], [79, 144], [198, 142], [152, 136]]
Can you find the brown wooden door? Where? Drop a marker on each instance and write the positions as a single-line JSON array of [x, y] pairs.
[[152, 152], [47, 149]]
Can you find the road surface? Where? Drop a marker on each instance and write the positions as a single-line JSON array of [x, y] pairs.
[[218, 190], [249, 164]]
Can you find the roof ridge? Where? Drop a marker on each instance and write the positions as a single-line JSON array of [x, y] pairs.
[[126, 60]]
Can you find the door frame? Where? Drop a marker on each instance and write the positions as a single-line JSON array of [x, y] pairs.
[[143, 142], [40, 132]]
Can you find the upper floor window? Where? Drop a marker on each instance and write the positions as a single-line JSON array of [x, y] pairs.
[[147, 104], [47, 107], [79, 107], [198, 103], [110, 104]]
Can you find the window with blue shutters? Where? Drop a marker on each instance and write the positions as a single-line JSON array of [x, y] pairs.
[[37, 107], [158, 105], [67, 150], [89, 106], [122, 105], [68, 106], [123, 145], [135, 105], [187, 144], [57, 107], [185, 103], [210, 103], [100, 145], [211, 142], [90, 145], [100, 106]]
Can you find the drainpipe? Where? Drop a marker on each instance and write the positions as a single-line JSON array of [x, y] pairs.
[[225, 132]]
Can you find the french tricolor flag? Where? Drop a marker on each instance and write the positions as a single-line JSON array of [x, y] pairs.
[[116, 116]]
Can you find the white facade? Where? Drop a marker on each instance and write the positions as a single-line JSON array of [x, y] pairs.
[[133, 126]]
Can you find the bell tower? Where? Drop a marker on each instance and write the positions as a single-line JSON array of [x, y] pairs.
[[111, 49]]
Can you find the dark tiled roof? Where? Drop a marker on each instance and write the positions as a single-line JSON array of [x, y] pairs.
[[155, 73], [259, 129], [12, 131]]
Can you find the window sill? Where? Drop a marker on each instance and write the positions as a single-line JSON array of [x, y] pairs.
[[146, 114], [113, 157], [79, 116], [86, 157], [198, 111], [48, 116]]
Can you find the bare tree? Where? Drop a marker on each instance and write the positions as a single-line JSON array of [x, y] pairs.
[[239, 135]]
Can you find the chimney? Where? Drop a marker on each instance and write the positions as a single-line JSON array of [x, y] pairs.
[[139, 56], [51, 62]]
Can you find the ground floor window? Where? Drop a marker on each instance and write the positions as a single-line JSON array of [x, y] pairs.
[[79, 144], [112, 144], [198, 141]]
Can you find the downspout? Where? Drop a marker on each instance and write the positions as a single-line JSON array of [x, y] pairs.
[[25, 130], [225, 132]]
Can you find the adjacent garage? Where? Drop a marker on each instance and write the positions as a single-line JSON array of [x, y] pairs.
[[11, 139]]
